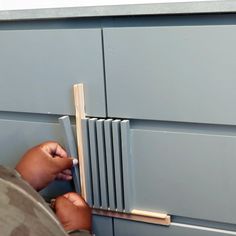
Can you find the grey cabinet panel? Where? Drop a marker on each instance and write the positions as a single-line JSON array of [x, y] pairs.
[[129, 228], [184, 174], [39, 67], [102, 226], [175, 73], [18, 136]]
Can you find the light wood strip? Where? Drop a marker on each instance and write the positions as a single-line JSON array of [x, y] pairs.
[[141, 218], [149, 213], [80, 114]]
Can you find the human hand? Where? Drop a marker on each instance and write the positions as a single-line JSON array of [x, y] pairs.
[[43, 163], [73, 212]]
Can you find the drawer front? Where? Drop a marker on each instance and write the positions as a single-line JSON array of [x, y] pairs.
[[16, 137], [102, 226], [39, 67], [181, 170], [175, 73], [128, 228], [184, 173]]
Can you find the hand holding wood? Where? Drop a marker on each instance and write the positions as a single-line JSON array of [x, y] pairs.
[[43, 163]]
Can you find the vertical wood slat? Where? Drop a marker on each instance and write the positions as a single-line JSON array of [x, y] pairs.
[[80, 114], [107, 162], [127, 167], [87, 162], [118, 164], [102, 163], [71, 149], [110, 164], [94, 162]]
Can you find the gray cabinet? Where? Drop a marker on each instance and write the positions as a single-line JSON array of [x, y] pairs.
[[173, 73], [39, 67], [177, 85], [159, 130]]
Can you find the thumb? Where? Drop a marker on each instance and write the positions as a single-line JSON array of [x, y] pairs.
[[62, 163]]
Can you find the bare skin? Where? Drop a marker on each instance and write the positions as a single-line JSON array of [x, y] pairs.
[[46, 162], [43, 163], [73, 212]]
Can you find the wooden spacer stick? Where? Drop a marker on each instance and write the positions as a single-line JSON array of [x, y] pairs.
[[130, 216], [149, 214], [80, 114]]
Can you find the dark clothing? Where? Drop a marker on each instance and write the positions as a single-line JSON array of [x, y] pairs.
[[23, 211]]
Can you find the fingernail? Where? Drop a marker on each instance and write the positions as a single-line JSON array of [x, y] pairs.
[[75, 162]]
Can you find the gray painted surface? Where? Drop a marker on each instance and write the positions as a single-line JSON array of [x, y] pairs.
[[116, 137], [129, 228], [122, 10], [87, 162], [107, 148], [94, 162], [71, 148], [127, 167], [16, 137], [185, 174], [102, 226], [110, 164], [102, 163], [39, 67], [164, 73], [175, 73]]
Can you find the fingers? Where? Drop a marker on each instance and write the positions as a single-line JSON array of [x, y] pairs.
[[62, 176], [65, 175], [62, 163], [73, 217], [53, 149], [67, 172], [75, 198]]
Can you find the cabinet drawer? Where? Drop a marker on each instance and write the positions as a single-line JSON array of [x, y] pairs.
[[175, 73], [102, 226], [18, 136], [184, 173], [182, 170], [39, 67], [128, 228]]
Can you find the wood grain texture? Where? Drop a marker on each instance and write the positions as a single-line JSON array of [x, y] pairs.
[[133, 217], [80, 114]]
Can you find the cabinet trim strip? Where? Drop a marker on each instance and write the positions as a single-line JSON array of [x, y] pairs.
[[129, 216]]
